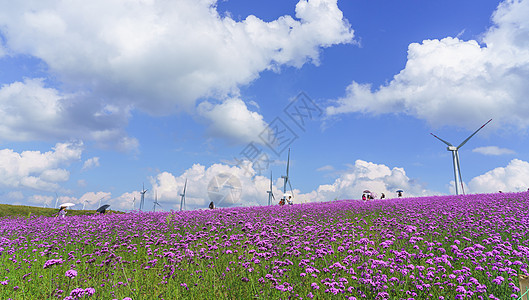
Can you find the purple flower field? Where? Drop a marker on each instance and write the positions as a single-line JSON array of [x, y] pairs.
[[450, 247]]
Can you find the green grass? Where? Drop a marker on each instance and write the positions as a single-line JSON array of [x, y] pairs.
[[7, 210]]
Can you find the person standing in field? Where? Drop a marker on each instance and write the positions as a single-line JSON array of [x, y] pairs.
[[62, 212]]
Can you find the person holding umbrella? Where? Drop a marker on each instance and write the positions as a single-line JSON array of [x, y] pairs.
[[103, 209], [62, 212]]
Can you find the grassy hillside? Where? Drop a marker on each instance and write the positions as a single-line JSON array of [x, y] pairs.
[[7, 210]]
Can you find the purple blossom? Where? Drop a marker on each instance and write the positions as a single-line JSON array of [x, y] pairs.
[[52, 262], [71, 273]]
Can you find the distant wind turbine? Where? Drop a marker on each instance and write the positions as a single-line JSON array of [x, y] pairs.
[[286, 178], [56, 200], [100, 201], [270, 192], [134, 203], [455, 158], [143, 191], [155, 202], [84, 203], [183, 195]]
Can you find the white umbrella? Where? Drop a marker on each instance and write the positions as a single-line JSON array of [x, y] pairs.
[[67, 204]]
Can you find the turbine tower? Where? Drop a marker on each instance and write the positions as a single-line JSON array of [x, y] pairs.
[[270, 192], [286, 178], [183, 195], [134, 203], [455, 158], [143, 191], [155, 202]]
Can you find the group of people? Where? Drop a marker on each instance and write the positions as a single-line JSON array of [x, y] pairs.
[[63, 211], [287, 199], [369, 196]]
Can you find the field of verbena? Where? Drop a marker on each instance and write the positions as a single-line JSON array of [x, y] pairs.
[[421, 248]]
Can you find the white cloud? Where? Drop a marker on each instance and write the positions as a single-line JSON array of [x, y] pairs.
[[325, 168], [31, 111], [91, 163], [456, 82], [363, 175], [156, 56], [512, 178], [233, 120], [493, 150], [36, 170], [46, 201], [126, 201], [169, 187], [92, 200]]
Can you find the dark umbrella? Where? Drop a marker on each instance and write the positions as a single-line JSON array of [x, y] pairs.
[[400, 191], [367, 191], [103, 209]]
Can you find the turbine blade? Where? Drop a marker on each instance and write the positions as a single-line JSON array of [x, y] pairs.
[[441, 140], [291, 191], [468, 138]]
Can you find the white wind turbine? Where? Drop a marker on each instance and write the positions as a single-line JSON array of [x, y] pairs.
[[287, 179], [84, 203], [183, 195], [155, 202], [455, 158], [143, 191], [270, 192]]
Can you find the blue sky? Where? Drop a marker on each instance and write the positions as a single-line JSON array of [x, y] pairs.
[[99, 98]]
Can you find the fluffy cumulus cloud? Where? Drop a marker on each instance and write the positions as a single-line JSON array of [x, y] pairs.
[[456, 82], [250, 190], [156, 56], [363, 175], [91, 163], [233, 120], [512, 178], [31, 111], [223, 184], [37, 170], [493, 150], [92, 200]]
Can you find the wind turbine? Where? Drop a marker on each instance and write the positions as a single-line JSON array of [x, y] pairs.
[[100, 201], [455, 158], [286, 178], [56, 199], [270, 192], [143, 191], [183, 195], [84, 203], [133, 203], [155, 202]]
